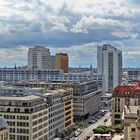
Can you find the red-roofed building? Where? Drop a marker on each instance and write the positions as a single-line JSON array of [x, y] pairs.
[[124, 95]]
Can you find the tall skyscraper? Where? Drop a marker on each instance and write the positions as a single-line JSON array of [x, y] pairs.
[[109, 61], [39, 58], [61, 62]]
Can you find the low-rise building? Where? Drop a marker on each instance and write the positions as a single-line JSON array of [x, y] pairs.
[[14, 75], [4, 129], [87, 99]]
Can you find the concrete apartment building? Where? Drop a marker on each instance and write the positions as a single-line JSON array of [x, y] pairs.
[[109, 65], [4, 129], [35, 116], [39, 58], [131, 123], [62, 62], [14, 75], [128, 95]]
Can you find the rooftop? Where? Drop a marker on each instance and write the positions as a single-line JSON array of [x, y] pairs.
[[21, 98]]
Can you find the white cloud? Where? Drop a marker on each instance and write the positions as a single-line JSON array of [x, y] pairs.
[[90, 22], [13, 55], [132, 54]]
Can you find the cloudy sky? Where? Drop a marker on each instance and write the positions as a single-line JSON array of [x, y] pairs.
[[75, 27]]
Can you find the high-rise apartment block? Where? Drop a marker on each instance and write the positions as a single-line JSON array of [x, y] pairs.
[[61, 62], [39, 58], [109, 61]]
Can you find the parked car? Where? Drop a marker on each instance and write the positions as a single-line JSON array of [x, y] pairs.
[[77, 133], [72, 138], [91, 121], [99, 117], [95, 119]]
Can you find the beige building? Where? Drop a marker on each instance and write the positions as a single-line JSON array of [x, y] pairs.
[[60, 111], [67, 98], [27, 117], [4, 129], [61, 62], [128, 94], [132, 123], [36, 116]]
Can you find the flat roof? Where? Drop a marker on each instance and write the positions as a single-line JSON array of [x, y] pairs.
[[21, 98]]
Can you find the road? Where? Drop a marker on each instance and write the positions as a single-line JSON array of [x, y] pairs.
[[88, 130]]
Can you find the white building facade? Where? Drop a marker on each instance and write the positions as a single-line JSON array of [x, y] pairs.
[[39, 58], [109, 61]]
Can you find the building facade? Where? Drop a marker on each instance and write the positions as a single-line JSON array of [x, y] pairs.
[[27, 117], [87, 99], [62, 62], [109, 61], [52, 62], [36, 114], [39, 58], [128, 95], [60, 111], [14, 75]]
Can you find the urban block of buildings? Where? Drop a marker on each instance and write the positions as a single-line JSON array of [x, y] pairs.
[[36, 116]]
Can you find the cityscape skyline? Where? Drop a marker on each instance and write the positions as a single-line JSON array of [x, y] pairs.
[[69, 27]]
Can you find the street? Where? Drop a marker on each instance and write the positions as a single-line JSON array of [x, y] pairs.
[[88, 130]]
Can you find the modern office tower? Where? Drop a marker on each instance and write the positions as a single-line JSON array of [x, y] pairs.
[[39, 58], [124, 95], [52, 62], [87, 99], [4, 129], [61, 62], [109, 61]]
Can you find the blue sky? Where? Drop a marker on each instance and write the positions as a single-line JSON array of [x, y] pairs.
[[75, 27]]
